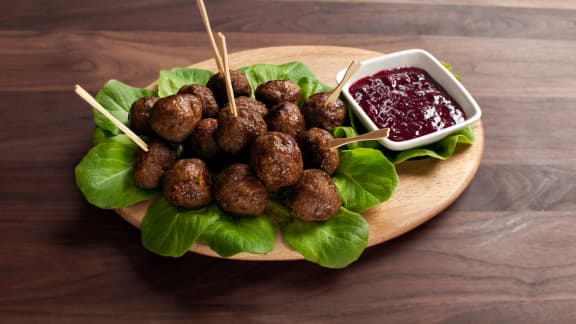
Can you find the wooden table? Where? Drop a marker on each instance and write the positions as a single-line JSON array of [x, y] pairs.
[[503, 252]]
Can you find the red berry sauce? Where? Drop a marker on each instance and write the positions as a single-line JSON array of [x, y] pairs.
[[408, 101]]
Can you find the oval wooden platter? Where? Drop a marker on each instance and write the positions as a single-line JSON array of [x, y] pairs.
[[426, 186]]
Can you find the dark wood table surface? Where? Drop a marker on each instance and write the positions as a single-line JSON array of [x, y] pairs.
[[504, 252]]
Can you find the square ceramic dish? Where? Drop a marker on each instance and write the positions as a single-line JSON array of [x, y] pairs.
[[420, 59]]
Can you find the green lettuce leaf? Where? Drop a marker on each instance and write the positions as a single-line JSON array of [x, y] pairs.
[[230, 235], [98, 136], [117, 97], [170, 231], [364, 178], [297, 72], [105, 174], [442, 150], [170, 81], [334, 243]]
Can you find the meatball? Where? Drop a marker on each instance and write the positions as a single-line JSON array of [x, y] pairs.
[[277, 160], [273, 92], [202, 141], [240, 86], [314, 197], [150, 166], [252, 105], [316, 153], [209, 105], [317, 115], [187, 184], [286, 117], [236, 134], [239, 192], [139, 115], [174, 117]]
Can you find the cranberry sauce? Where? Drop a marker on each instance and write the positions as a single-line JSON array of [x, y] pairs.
[[408, 101]]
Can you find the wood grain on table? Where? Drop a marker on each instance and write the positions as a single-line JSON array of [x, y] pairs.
[[502, 253]]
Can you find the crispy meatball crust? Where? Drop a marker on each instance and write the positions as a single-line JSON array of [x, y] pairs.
[[273, 92], [316, 153], [239, 192], [286, 117], [187, 184], [317, 115], [276, 159], [202, 141], [209, 105], [149, 167], [174, 117], [236, 134], [240, 86], [139, 115], [314, 197]]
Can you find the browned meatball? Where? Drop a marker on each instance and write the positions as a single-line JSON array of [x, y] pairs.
[[150, 166], [174, 117], [209, 105], [239, 192], [252, 105], [240, 86], [139, 115], [236, 134], [317, 115], [316, 153], [202, 141], [286, 117], [187, 184], [314, 197], [273, 92], [277, 160]]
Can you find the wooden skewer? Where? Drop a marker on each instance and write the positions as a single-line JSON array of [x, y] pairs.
[[352, 68], [370, 136], [206, 21], [96, 105], [227, 79]]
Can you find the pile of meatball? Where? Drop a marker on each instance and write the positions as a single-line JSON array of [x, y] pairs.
[[272, 146]]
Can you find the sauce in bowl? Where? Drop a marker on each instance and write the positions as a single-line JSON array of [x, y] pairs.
[[408, 101]]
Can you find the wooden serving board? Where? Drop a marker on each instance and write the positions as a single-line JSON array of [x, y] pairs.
[[426, 186]]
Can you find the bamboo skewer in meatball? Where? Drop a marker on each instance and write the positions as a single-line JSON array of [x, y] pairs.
[[314, 197], [236, 134], [276, 159], [326, 110], [274, 92], [174, 117], [149, 167], [239, 192], [139, 115], [188, 184], [240, 86], [209, 105], [319, 114], [317, 152]]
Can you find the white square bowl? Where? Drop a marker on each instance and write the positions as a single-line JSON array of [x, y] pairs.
[[420, 59]]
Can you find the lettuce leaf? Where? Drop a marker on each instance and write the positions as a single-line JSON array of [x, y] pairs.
[[170, 231], [104, 175], [364, 178], [230, 235], [334, 243], [117, 98], [170, 81], [297, 72], [442, 150]]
